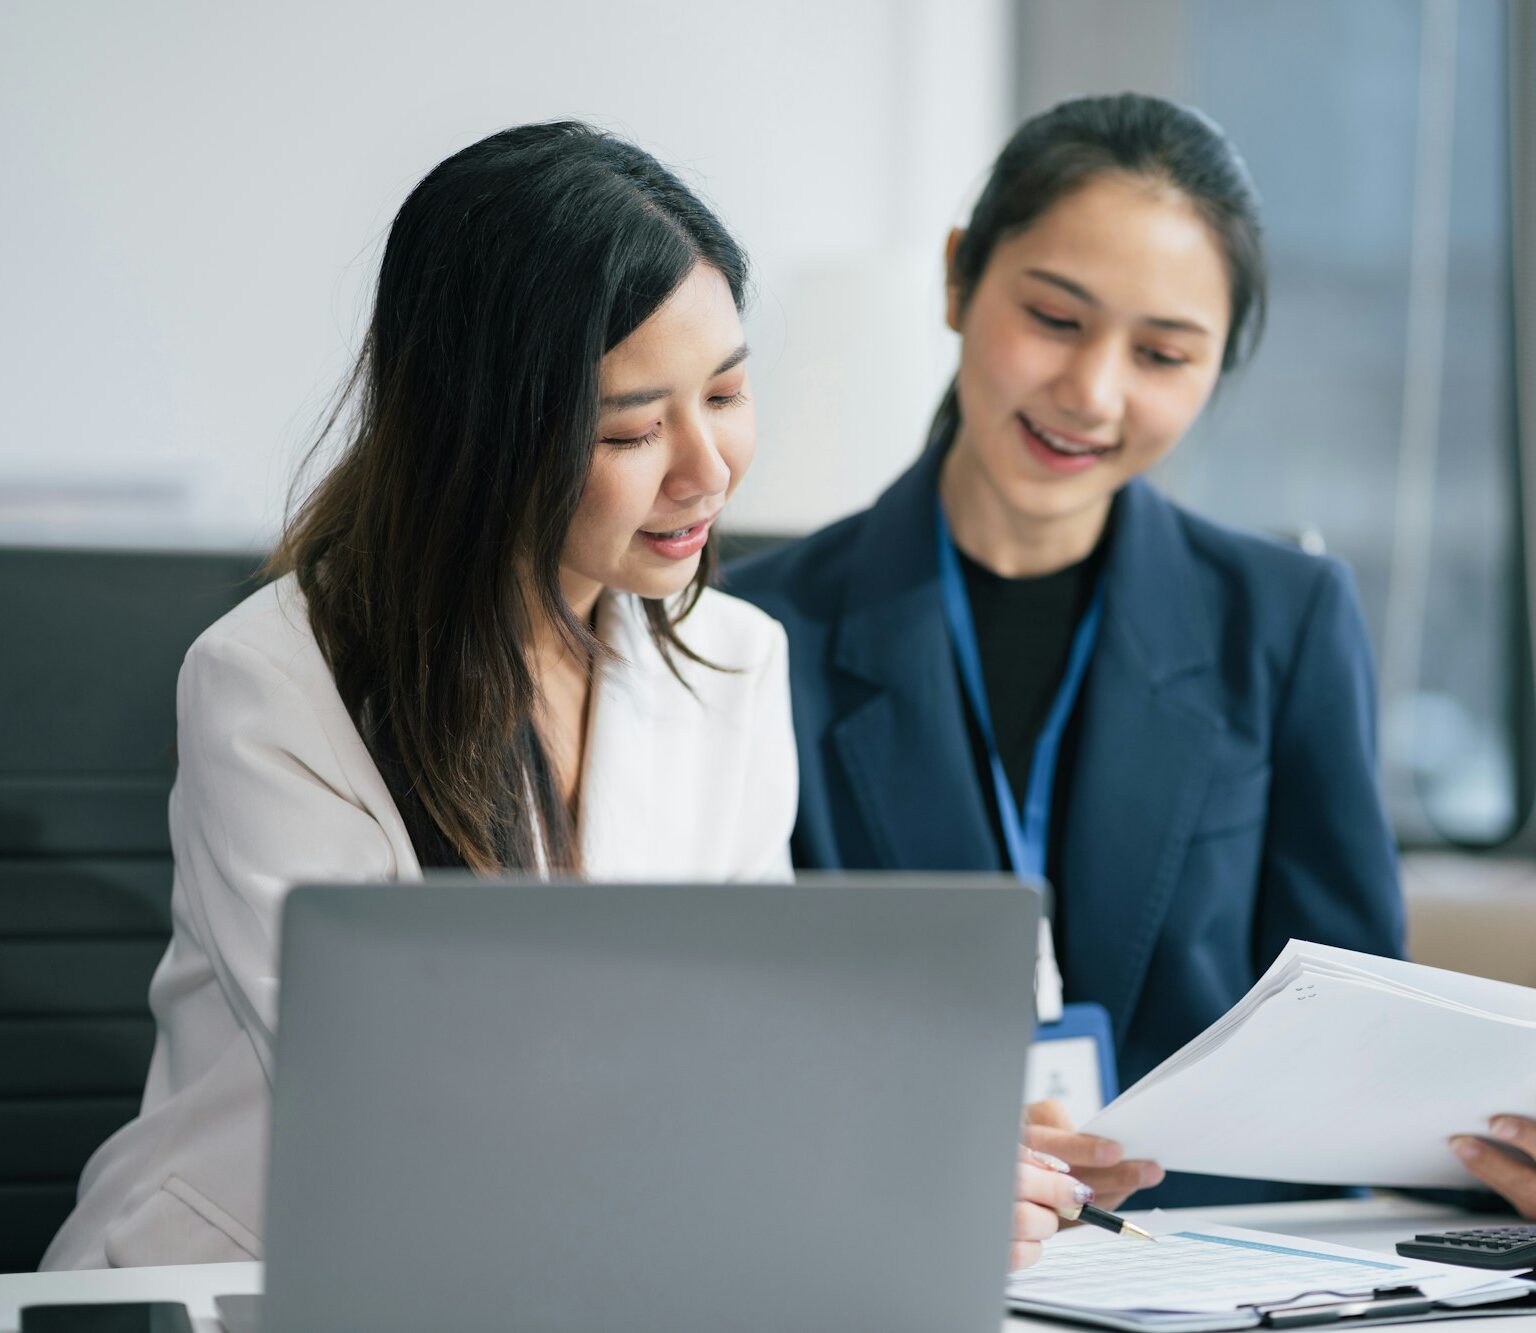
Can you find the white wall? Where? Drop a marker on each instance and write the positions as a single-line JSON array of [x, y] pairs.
[[194, 198]]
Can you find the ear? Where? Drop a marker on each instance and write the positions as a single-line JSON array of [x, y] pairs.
[[951, 285]]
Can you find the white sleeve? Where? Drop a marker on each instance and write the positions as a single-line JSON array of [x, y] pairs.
[[261, 803], [772, 790]]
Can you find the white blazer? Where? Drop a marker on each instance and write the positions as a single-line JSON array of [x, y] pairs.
[[276, 787]]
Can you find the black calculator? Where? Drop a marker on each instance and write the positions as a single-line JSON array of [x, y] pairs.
[[1477, 1247]]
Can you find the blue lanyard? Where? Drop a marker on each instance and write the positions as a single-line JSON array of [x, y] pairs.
[[1024, 831]]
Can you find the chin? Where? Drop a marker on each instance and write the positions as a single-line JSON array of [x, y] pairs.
[[1046, 500], [1030, 493], [658, 584]]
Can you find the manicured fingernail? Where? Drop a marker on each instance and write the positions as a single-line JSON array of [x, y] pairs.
[[1106, 1153], [1082, 1193], [1504, 1127], [1151, 1174], [1469, 1150], [1047, 1161]]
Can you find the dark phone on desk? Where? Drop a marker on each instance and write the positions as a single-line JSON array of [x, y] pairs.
[[144, 1317]]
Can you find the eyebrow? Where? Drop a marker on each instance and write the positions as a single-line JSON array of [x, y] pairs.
[[640, 397], [1088, 298]]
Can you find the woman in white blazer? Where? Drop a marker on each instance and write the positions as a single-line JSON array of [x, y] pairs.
[[490, 642]]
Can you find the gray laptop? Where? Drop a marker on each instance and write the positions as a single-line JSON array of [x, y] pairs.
[[692, 1108]]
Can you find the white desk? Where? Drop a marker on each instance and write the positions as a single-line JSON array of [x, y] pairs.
[[1370, 1224]]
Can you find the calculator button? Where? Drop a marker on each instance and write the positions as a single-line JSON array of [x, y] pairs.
[[1511, 1247]]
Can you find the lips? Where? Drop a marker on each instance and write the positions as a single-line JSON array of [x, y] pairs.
[[679, 543], [1060, 453], [682, 530], [1066, 445]]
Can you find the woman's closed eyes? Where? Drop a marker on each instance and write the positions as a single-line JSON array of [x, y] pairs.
[[718, 403], [1156, 356]]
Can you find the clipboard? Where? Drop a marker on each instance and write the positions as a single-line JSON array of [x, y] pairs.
[[1386, 1305], [1389, 1305]]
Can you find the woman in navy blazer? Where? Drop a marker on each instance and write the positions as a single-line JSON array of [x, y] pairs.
[[1216, 792]]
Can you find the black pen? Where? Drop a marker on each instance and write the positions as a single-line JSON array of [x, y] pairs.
[[1097, 1217], [1086, 1212]]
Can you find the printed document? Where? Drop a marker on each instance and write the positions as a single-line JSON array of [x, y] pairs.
[[1337, 1068], [1203, 1275]]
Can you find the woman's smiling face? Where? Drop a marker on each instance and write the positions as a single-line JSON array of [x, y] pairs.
[[676, 434], [1088, 347]]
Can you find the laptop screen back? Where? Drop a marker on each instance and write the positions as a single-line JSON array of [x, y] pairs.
[[687, 1107]]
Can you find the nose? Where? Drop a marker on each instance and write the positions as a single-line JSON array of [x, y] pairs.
[[697, 468], [1091, 387]]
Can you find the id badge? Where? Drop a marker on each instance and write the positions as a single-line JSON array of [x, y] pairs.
[[1073, 1061]]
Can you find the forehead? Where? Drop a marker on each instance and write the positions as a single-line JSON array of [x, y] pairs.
[[690, 333], [1139, 246]]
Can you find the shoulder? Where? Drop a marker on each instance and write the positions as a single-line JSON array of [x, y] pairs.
[[1269, 579], [1261, 611], [731, 632], [272, 624], [802, 579], [735, 642], [263, 738], [263, 654], [879, 554]]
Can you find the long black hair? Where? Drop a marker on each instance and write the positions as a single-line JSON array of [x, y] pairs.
[[432, 547], [1061, 150]]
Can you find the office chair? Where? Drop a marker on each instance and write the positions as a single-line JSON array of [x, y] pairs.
[[90, 644]]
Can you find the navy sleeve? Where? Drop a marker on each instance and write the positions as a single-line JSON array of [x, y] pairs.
[[1330, 864]]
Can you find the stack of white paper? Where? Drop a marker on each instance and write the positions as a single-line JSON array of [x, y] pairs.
[[1337, 1068]]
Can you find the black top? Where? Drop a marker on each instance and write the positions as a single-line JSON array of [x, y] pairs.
[[1024, 629]]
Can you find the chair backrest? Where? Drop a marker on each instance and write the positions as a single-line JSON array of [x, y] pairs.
[[90, 644]]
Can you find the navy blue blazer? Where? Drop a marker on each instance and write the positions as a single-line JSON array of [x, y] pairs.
[[1224, 794]]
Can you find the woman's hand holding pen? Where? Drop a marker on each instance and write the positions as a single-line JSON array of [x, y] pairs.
[[1041, 1186], [1058, 1168], [1098, 1163], [1515, 1180], [1044, 1193]]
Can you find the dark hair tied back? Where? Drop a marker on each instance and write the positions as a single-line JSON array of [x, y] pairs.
[[1063, 149]]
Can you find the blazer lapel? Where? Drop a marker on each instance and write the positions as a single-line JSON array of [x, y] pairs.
[[626, 826], [904, 746], [1148, 745]]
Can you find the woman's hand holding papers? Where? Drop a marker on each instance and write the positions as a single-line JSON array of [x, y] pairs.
[[1097, 1162], [1515, 1180]]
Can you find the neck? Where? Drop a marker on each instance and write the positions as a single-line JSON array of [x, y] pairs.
[[551, 653], [581, 594], [563, 680], [997, 536]]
